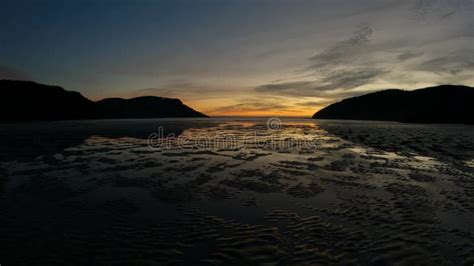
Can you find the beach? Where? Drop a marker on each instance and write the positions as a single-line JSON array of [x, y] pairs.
[[236, 191]]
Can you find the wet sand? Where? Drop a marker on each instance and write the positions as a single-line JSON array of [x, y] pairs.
[[308, 192]]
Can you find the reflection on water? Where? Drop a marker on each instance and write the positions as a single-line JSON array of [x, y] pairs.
[[446, 142], [306, 192], [24, 141]]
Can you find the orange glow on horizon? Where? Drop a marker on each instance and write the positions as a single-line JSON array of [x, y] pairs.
[[219, 107], [229, 106], [263, 113]]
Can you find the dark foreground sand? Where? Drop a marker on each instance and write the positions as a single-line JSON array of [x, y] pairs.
[[307, 192]]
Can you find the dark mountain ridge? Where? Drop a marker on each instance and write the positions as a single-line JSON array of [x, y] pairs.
[[30, 101], [440, 104], [145, 107]]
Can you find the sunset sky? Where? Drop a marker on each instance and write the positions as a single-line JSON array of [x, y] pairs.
[[238, 57]]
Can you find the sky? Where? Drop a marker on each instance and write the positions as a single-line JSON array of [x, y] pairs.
[[247, 58]]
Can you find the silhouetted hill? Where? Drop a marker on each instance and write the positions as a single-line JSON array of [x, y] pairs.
[[26, 100], [29, 101], [440, 104], [145, 107]]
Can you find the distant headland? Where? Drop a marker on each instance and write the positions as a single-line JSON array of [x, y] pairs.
[[440, 104], [31, 101]]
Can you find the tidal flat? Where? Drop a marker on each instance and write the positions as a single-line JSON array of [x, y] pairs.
[[236, 191]]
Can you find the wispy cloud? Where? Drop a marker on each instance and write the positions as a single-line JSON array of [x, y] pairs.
[[380, 53], [407, 55], [338, 80], [349, 79], [294, 88], [346, 52], [343, 66], [461, 61], [253, 106], [440, 9], [180, 88], [315, 103]]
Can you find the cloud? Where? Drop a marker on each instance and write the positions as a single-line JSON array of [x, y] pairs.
[[435, 10], [450, 64], [180, 88], [252, 107], [349, 79], [316, 103], [286, 86], [310, 103], [389, 48], [345, 52], [343, 66], [7, 72], [408, 55], [369, 57], [338, 80]]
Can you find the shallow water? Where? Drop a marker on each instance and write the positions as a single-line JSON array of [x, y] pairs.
[[236, 191]]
